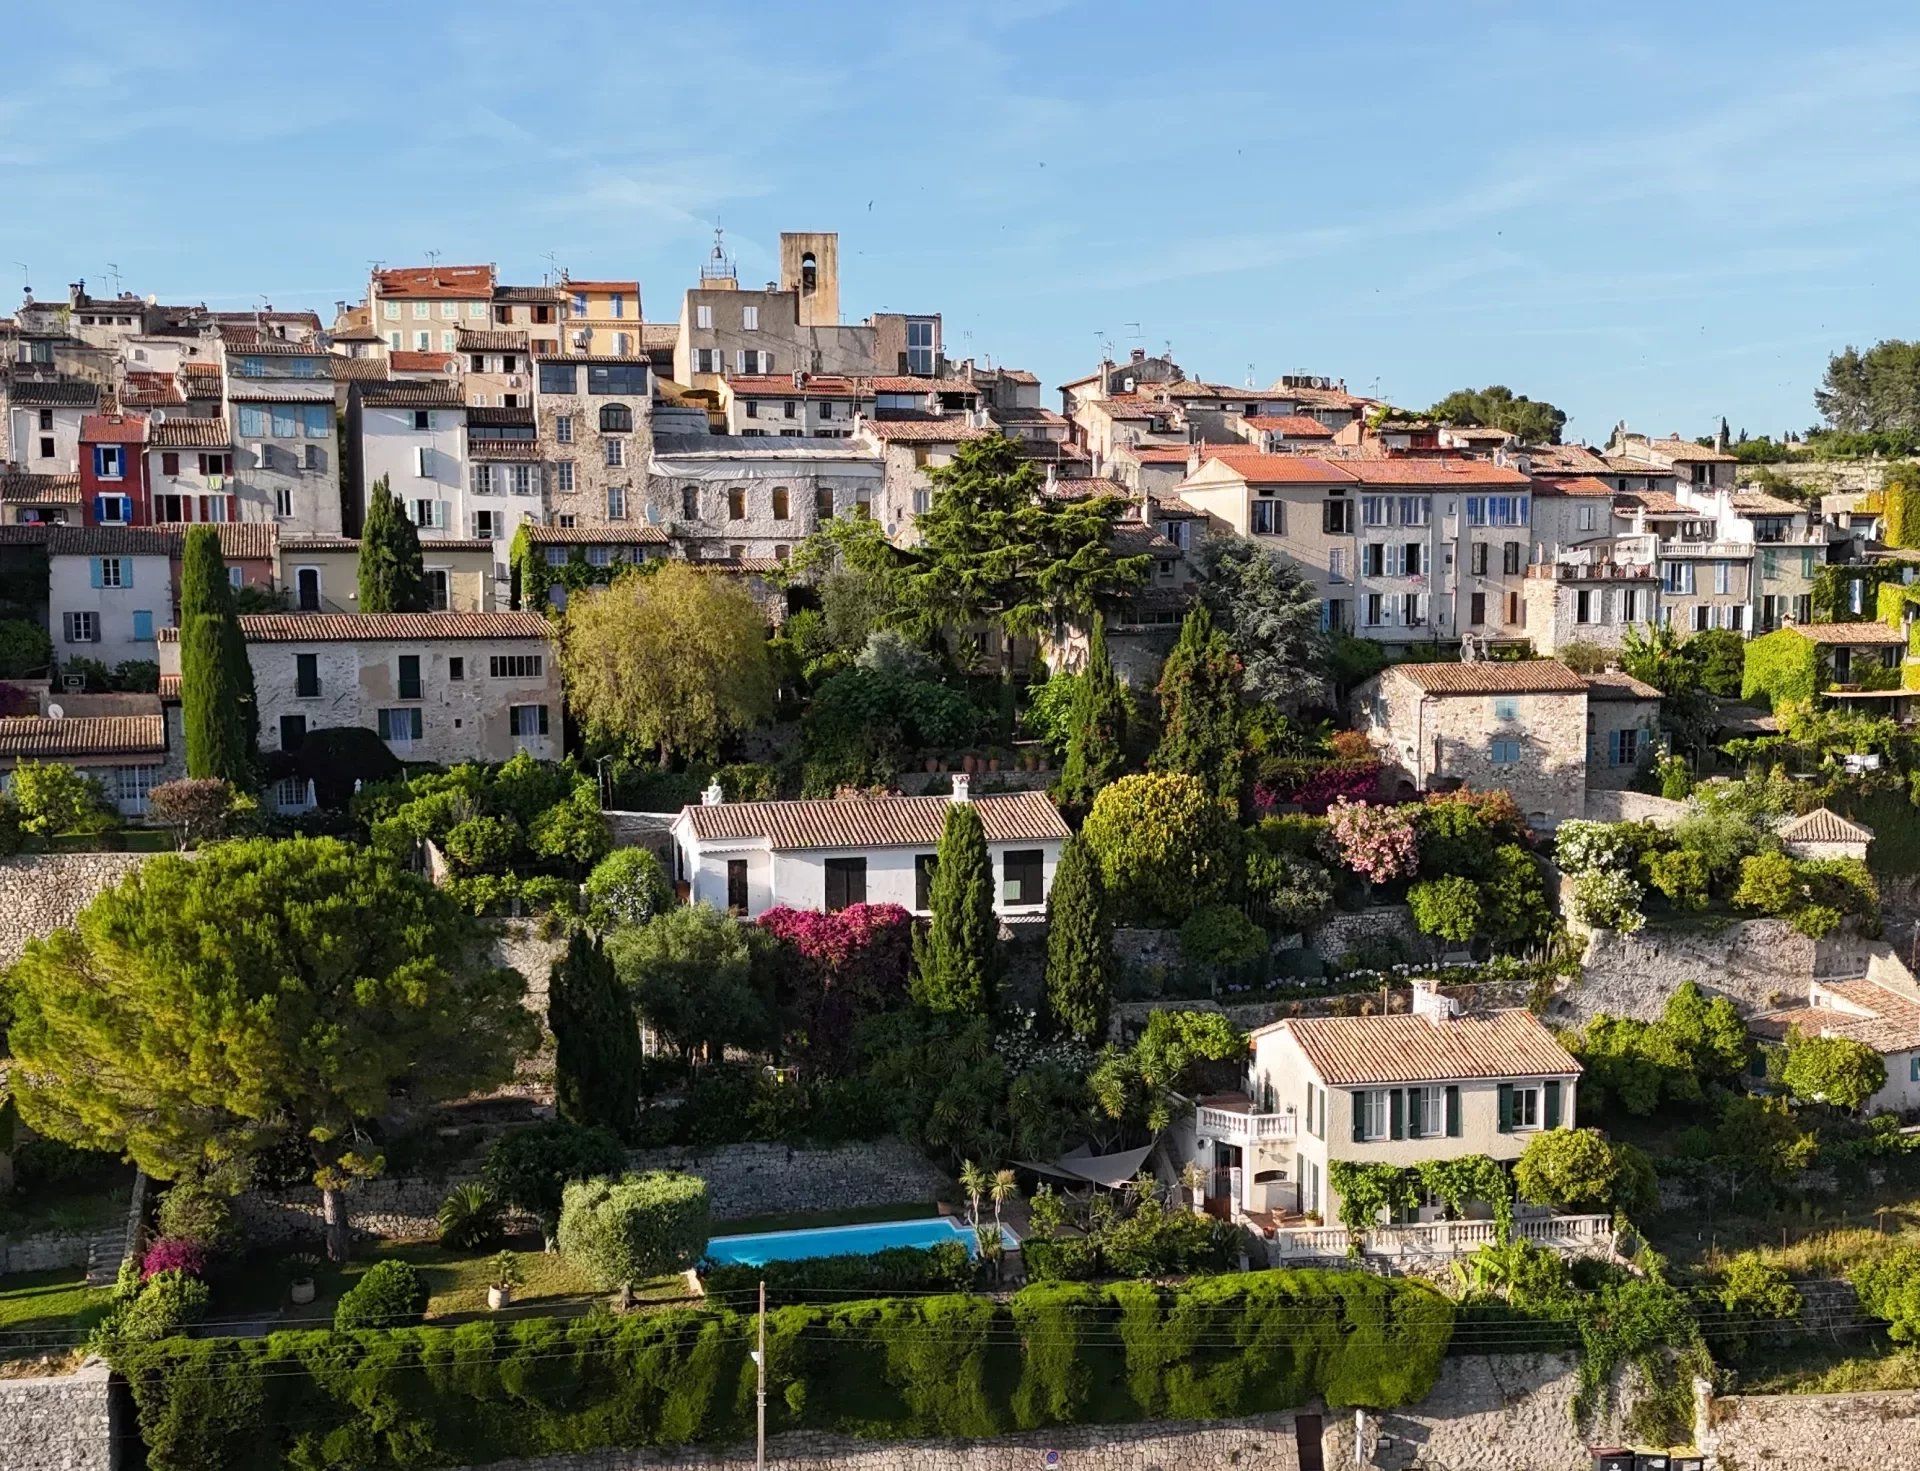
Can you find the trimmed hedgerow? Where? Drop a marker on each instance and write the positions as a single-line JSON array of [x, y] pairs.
[[891, 1368]]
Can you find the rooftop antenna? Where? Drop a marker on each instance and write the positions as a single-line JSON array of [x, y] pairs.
[[113, 275], [554, 273], [1134, 335], [1106, 346], [375, 265], [1249, 375], [433, 257], [26, 277]]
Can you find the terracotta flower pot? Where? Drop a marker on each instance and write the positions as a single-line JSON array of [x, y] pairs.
[[302, 1291]]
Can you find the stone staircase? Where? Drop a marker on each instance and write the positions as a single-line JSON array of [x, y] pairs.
[[104, 1254]]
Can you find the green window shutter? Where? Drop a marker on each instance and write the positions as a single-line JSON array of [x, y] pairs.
[[1414, 1121], [1453, 1111], [1396, 1113], [1359, 1117], [1553, 1104], [1506, 1108]]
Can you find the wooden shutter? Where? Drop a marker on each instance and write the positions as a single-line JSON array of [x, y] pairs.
[[1414, 1121], [1553, 1103], [1396, 1113], [1506, 1108], [1453, 1111], [1359, 1117]]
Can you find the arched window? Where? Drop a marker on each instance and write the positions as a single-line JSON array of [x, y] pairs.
[[616, 419]]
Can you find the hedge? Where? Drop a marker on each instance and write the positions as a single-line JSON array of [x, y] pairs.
[[943, 1268], [1055, 1354]]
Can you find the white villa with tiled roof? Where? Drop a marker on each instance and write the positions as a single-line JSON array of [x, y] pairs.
[[445, 687], [1429, 1084], [749, 857]]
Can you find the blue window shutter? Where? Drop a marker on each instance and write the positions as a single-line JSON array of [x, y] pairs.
[[143, 625], [126, 572], [93, 567], [99, 459]]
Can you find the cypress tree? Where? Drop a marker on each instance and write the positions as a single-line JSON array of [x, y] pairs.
[[957, 960], [1200, 708], [391, 578], [596, 1070], [1080, 966], [219, 714], [1095, 747]]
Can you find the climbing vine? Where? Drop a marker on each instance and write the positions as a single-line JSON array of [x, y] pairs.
[[1784, 667], [1898, 500], [1368, 1191], [1459, 1182], [1831, 594]]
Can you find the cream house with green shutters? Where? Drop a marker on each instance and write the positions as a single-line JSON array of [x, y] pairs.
[[1429, 1084]]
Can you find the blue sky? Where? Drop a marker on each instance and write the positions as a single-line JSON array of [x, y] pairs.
[[1657, 212]]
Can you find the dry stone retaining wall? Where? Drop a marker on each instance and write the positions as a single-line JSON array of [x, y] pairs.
[[44, 891], [1757, 963], [61, 1422], [742, 1179], [45, 1252], [1264, 1443], [1811, 1432]]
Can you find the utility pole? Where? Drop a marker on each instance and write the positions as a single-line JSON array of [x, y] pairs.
[[760, 1362]]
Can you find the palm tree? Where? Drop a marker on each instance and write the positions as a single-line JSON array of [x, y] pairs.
[[973, 1180], [1002, 1188]]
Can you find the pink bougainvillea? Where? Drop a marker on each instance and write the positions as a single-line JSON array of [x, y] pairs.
[[1374, 841], [174, 1254], [1313, 787], [848, 964]]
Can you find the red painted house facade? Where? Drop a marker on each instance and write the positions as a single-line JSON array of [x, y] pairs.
[[113, 471]]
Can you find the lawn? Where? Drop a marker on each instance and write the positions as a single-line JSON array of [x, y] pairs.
[[860, 1215], [256, 1288], [44, 1312]]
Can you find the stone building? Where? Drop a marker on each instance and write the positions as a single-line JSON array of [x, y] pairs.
[[904, 451], [1520, 726], [1590, 595], [441, 687], [321, 574], [1623, 726], [594, 428], [1824, 833], [1881, 1013], [726, 497]]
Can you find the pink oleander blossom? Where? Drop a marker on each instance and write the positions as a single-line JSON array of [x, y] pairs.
[[174, 1254], [1376, 842]]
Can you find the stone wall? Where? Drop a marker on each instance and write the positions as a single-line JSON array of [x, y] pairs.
[[743, 1180], [1810, 1432], [1262, 1443], [1510, 1412], [44, 1252], [1339, 935], [1828, 477], [41, 893], [60, 1423], [1759, 963]]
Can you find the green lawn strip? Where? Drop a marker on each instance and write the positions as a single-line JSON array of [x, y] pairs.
[[456, 1281], [41, 1312], [861, 1215]]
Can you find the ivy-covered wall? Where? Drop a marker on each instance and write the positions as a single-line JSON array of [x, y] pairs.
[[1782, 667], [1898, 500], [1832, 598], [1056, 1354]]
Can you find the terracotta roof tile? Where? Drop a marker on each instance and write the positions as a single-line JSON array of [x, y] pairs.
[[403, 394], [19, 488], [303, 628], [315, 542], [874, 822], [150, 391], [87, 735], [570, 536], [186, 433], [493, 340], [280, 390], [924, 431], [1259, 468], [781, 385], [249, 342], [1892, 1025], [240, 541], [1360, 1051], [528, 293], [1753, 502], [1294, 426], [53, 393], [1446, 472], [357, 370], [113, 429], [1615, 684], [1823, 825], [1493, 677], [437, 283], [895, 383], [1576, 485], [493, 414]]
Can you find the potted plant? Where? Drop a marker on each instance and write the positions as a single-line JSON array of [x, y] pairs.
[[303, 1289], [506, 1277]]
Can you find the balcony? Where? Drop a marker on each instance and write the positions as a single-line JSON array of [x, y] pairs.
[[1733, 549], [1570, 1234], [1232, 1119]]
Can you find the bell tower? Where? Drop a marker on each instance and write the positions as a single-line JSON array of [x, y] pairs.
[[810, 266]]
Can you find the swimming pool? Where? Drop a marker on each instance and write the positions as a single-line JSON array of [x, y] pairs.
[[793, 1246]]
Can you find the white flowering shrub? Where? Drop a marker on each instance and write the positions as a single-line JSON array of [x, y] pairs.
[[1608, 899]]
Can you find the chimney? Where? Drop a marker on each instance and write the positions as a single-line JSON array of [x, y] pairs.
[[1139, 355], [961, 781], [713, 796], [1429, 1003]]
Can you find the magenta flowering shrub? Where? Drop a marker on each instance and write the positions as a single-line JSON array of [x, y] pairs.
[[1376, 842], [1315, 786], [174, 1254], [846, 965]]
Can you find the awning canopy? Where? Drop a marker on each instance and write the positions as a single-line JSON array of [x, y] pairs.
[[1083, 1167]]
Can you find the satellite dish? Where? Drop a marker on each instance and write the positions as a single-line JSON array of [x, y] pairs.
[[54, 712]]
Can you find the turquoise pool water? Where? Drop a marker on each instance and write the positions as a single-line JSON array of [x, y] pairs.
[[793, 1246]]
